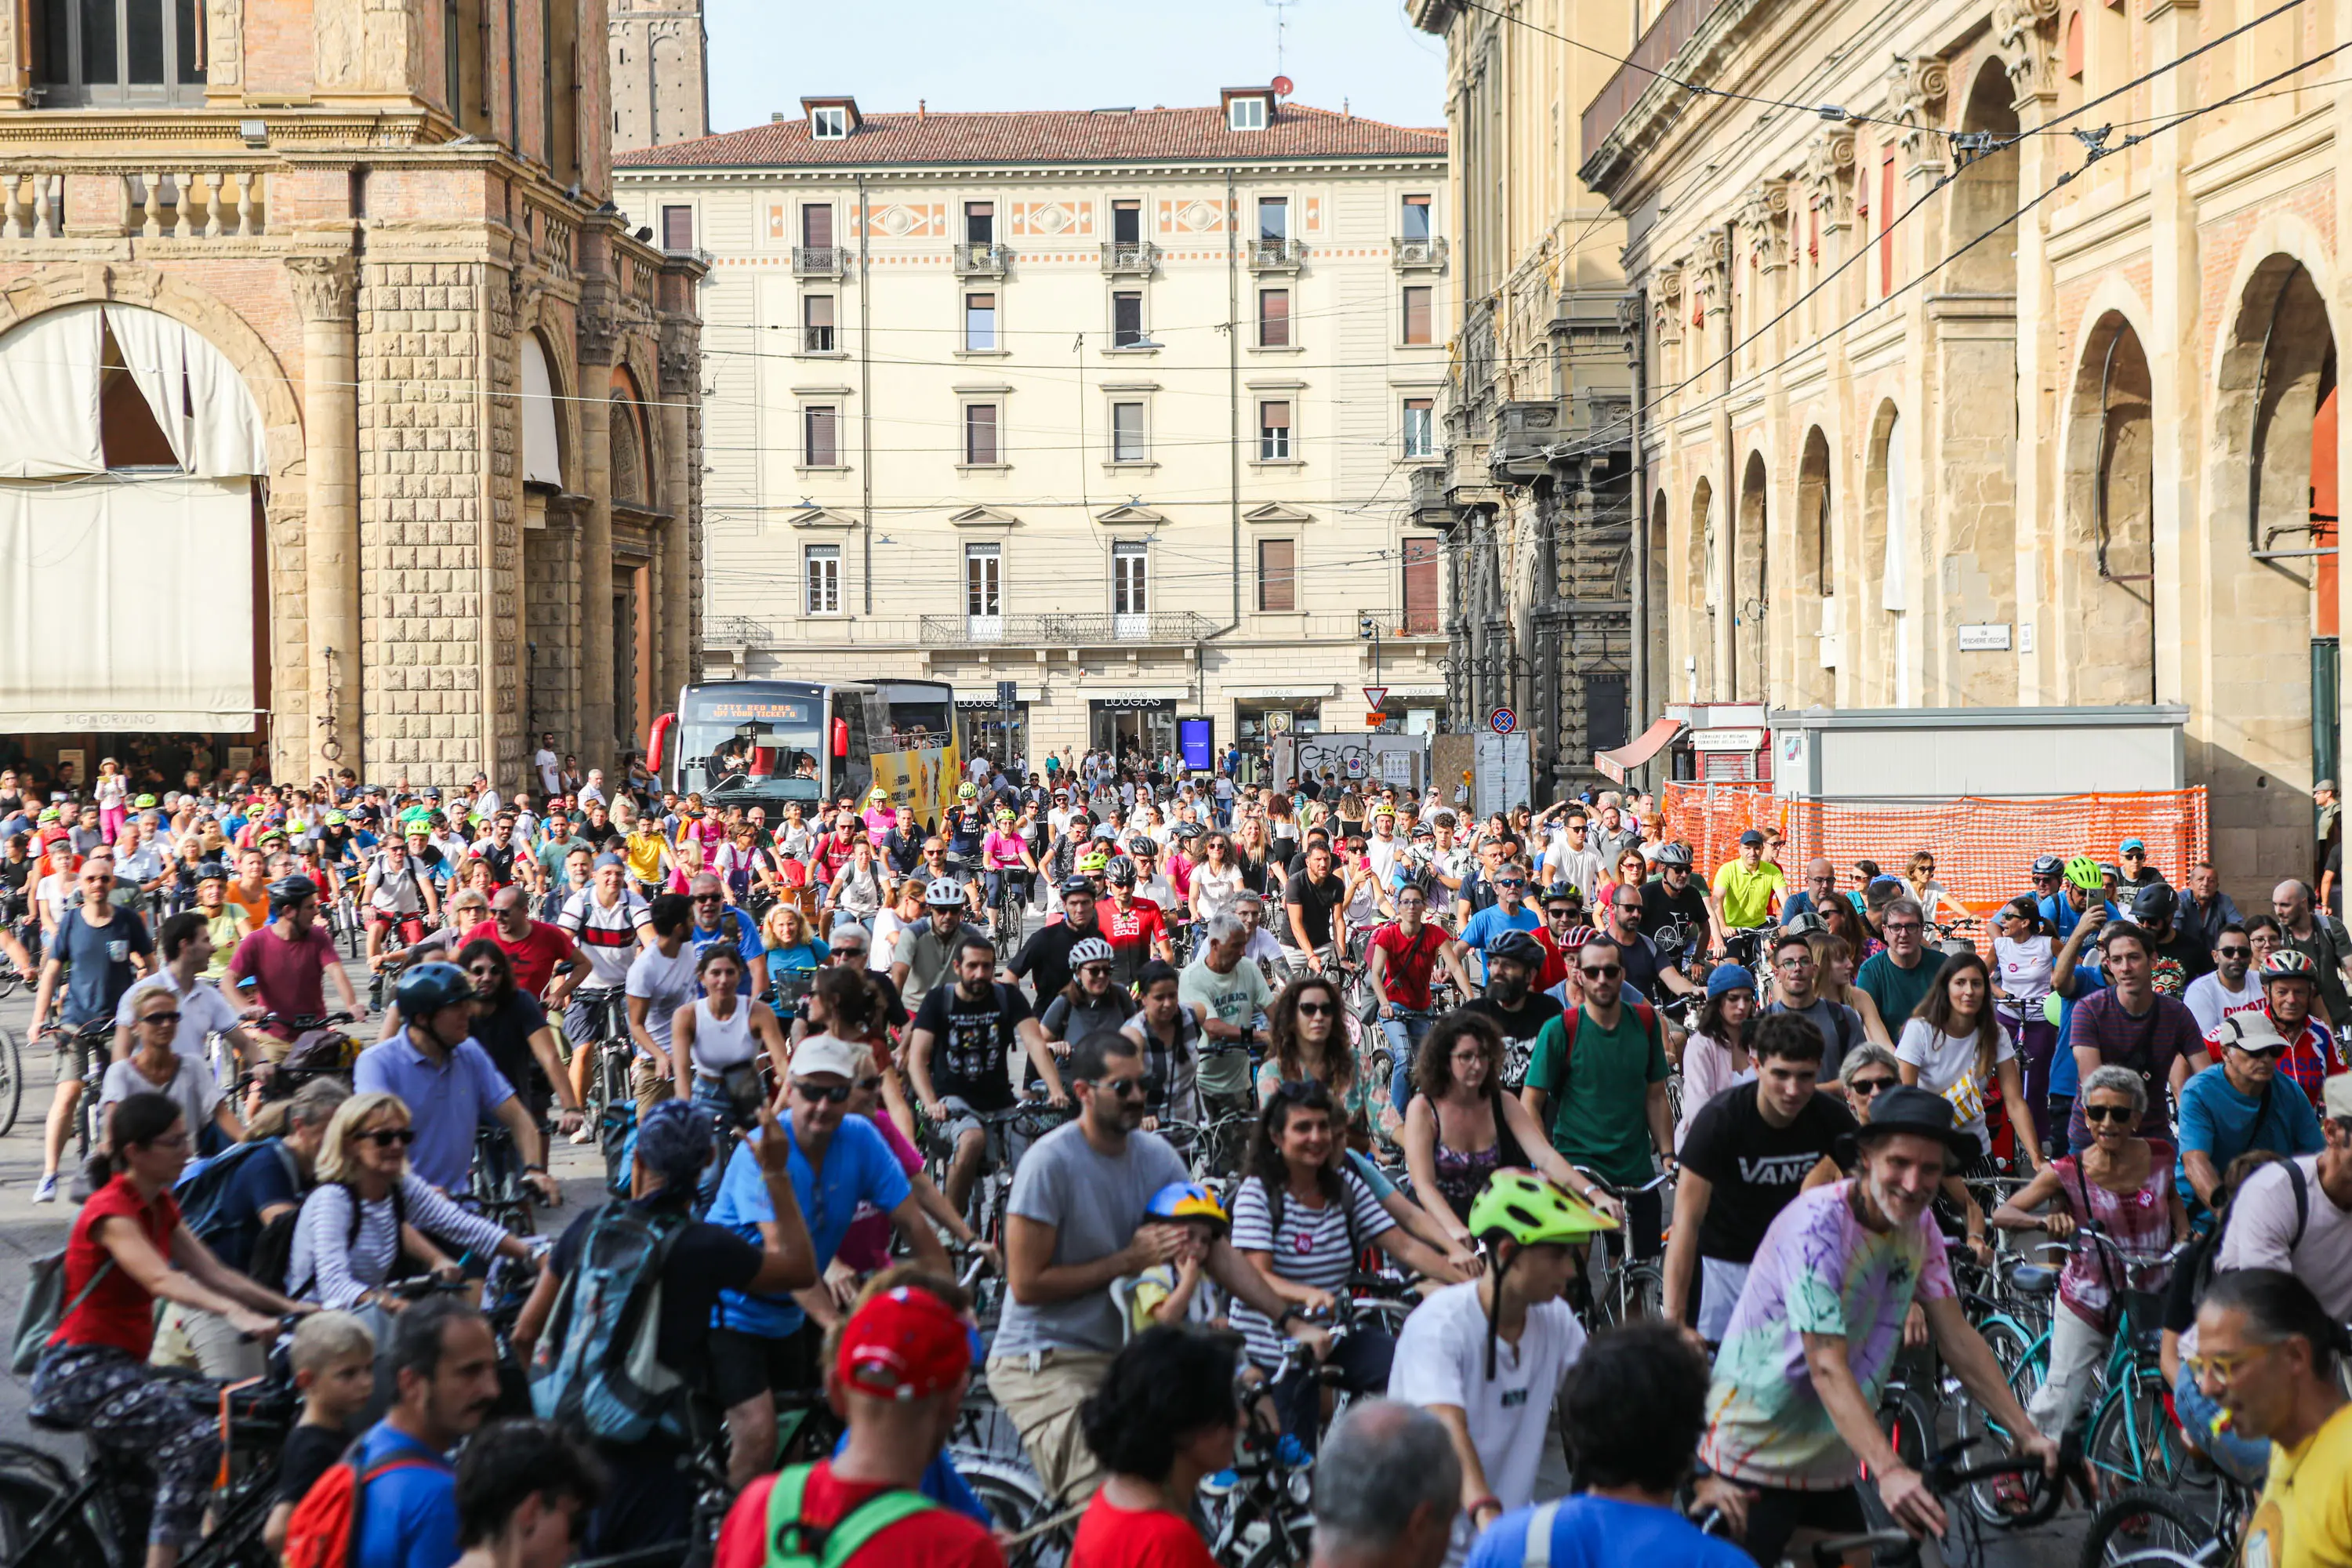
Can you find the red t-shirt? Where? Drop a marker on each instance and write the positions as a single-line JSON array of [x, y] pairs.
[[936, 1538], [1137, 926], [1405, 976], [120, 1312], [534, 957], [1113, 1537], [291, 975], [1555, 963]]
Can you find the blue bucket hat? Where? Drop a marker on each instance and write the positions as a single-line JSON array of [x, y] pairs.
[[674, 1141], [1726, 977]]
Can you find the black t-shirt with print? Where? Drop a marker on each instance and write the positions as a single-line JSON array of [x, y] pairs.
[[969, 1042], [1519, 1031], [1756, 1167]]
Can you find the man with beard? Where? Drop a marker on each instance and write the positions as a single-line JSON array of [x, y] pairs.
[[957, 1050], [1816, 1330], [447, 1364], [1512, 1004], [2213, 996], [1044, 959], [1607, 1113]]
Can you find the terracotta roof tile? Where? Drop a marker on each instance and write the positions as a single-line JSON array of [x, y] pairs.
[[1046, 136]]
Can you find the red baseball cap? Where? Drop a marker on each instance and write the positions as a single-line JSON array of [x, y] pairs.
[[904, 1344]]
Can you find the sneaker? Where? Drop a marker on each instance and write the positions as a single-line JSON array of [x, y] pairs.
[[46, 1193], [585, 1135]]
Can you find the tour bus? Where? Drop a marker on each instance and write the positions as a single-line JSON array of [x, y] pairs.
[[763, 742]]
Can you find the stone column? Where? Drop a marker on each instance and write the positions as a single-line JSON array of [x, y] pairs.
[[326, 293], [597, 333], [677, 494]]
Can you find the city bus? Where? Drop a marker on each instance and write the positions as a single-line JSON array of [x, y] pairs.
[[763, 742]]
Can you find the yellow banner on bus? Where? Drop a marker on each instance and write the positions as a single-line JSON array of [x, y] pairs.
[[925, 779]]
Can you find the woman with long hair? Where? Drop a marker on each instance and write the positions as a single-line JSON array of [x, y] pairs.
[[1217, 880], [854, 1003], [1630, 870], [129, 1248], [2023, 947], [1716, 1055], [1919, 881], [1460, 1128], [1300, 1218], [1833, 967], [510, 1025], [1254, 856], [1953, 1045], [792, 949], [1307, 1038]]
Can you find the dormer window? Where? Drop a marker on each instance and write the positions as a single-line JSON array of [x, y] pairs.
[[1245, 113], [829, 125]]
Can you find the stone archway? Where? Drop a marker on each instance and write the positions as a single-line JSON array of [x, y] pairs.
[[1814, 556], [1878, 629], [1661, 684], [1699, 595], [1750, 589], [2276, 374], [2105, 635]]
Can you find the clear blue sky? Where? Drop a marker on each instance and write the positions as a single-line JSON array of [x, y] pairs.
[[1066, 54]]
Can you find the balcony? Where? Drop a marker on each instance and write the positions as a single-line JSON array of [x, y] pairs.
[[1276, 255], [981, 260], [1158, 627], [819, 261], [1131, 258], [1653, 53], [1527, 428], [1417, 255], [136, 202]]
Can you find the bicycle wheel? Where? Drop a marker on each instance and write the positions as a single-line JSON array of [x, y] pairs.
[[1018, 1502], [2142, 1519], [2133, 1442], [26, 1493], [2024, 1367], [1910, 1423], [12, 1079]]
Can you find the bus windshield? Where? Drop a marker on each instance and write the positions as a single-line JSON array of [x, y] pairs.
[[749, 750]]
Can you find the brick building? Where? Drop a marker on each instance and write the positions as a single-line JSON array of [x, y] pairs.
[[317, 317]]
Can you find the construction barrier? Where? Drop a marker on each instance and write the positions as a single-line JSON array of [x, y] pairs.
[[1984, 849]]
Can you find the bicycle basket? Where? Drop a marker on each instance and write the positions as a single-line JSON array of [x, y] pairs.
[[2143, 1318]]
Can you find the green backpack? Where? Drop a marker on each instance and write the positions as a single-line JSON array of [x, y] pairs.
[[794, 1544]]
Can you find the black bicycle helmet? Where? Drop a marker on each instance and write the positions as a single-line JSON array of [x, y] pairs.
[[1518, 947], [2048, 866], [429, 987], [212, 871], [289, 891], [1563, 893], [2153, 905], [1121, 873]]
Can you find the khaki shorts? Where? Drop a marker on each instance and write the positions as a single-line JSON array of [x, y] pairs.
[[1042, 1395], [649, 1087]]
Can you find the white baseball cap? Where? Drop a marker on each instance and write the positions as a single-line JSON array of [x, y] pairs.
[[824, 1054]]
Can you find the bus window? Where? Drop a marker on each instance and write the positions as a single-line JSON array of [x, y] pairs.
[[854, 762]]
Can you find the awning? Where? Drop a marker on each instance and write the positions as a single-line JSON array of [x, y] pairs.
[[99, 629], [1644, 746], [1133, 697], [51, 373]]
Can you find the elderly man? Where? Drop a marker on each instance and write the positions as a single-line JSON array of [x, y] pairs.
[[2316, 940], [2204, 908], [1821, 887], [1386, 1490]]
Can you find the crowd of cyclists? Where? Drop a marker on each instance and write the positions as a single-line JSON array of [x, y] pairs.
[[1135, 1165]]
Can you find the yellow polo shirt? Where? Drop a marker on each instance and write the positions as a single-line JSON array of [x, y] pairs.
[[1746, 896], [2305, 1520]]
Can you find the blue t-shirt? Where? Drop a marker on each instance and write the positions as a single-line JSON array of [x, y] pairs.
[[944, 1484], [261, 1180], [2221, 1122], [1492, 921], [858, 1168], [735, 925], [409, 1517], [807, 955], [2065, 1077], [99, 957], [1601, 1532]]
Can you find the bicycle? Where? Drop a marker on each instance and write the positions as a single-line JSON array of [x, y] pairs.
[[1633, 1285], [2146, 1527], [1946, 1476], [495, 1187], [12, 1079], [984, 1210], [50, 1518], [1258, 1513], [607, 1037], [1005, 910]]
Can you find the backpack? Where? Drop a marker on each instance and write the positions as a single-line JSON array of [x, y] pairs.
[[279, 1232], [1570, 1017], [793, 1544], [203, 1188], [325, 1529], [597, 1370]]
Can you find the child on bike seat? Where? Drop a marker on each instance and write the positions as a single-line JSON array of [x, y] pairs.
[[335, 1368], [1179, 1291]]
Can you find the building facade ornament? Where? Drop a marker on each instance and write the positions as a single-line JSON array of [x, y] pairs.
[[1829, 177], [2026, 32], [325, 287], [1916, 90]]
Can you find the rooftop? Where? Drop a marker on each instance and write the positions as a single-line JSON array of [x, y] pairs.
[[1045, 136]]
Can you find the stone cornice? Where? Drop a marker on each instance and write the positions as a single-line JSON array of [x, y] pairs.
[[1660, 105]]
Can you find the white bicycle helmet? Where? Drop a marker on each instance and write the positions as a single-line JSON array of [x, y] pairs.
[[944, 893], [1090, 949]]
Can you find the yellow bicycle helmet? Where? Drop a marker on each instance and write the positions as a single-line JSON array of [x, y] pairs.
[[1188, 1200], [2084, 872], [1528, 1209]]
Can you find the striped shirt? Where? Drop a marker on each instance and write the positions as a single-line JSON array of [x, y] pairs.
[[336, 1274], [1312, 1247], [608, 936]]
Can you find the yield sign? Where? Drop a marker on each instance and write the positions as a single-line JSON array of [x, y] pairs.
[[1375, 695]]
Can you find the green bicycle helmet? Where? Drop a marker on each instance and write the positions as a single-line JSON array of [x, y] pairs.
[[1525, 1207], [1093, 862], [144, 802], [2084, 872], [1528, 1209], [2053, 1007]]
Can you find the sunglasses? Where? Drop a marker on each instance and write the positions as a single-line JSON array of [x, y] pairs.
[[1508, 882], [2234, 952], [1126, 1088], [1870, 1087], [2268, 1053], [1316, 1009], [1605, 972], [390, 1137], [2224, 1364], [2097, 1113], [838, 1094], [709, 898], [159, 1018]]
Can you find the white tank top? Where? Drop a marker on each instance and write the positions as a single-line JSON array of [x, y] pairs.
[[722, 1043]]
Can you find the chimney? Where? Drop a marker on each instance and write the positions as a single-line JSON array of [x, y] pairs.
[[1346, 114], [922, 109]]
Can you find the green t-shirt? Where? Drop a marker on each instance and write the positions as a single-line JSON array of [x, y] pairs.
[[1237, 999], [1746, 896], [1600, 1100], [1897, 991]]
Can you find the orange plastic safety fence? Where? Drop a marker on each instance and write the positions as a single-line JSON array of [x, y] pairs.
[[1984, 849]]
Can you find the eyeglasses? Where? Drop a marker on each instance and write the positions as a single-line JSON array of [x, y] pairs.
[[1894, 927], [1316, 1009], [390, 1137], [1868, 1088], [159, 1018], [1796, 960], [2107, 1113], [2233, 952], [1828, 881], [834, 1094], [2222, 1364], [1606, 971]]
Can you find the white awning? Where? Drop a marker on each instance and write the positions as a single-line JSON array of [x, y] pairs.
[[126, 605], [543, 449], [50, 370]]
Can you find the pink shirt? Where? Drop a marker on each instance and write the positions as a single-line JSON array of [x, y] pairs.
[[865, 1245]]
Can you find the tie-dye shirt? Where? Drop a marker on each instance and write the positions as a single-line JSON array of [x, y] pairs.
[[1817, 1271]]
